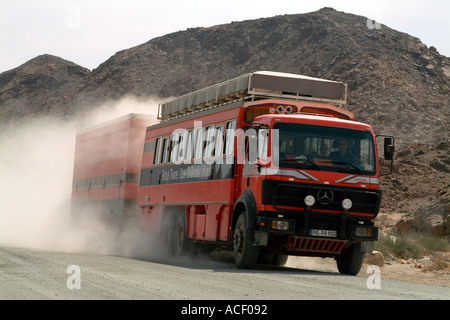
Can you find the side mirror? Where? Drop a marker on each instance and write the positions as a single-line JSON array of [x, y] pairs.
[[389, 148]]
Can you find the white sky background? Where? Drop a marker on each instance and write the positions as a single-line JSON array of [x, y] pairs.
[[88, 32]]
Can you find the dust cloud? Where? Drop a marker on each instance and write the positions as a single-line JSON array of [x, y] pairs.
[[36, 170]]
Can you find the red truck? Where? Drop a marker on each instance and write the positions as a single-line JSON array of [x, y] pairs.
[[266, 165]]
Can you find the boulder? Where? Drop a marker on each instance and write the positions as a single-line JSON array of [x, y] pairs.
[[375, 258]]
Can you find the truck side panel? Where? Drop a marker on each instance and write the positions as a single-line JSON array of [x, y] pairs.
[[204, 189]]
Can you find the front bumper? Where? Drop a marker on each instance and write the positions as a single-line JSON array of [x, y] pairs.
[[316, 225]]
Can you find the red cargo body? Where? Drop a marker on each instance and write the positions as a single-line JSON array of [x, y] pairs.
[[107, 167]]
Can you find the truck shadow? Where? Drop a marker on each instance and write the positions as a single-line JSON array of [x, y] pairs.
[[224, 262], [139, 246]]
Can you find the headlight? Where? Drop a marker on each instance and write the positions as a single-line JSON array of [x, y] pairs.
[[364, 232], [309, 200], [280, 225], [347, 204]]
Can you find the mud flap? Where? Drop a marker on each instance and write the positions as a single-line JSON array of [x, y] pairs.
[[261, 238], [367, 246]]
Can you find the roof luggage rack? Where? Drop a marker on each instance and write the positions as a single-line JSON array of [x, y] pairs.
[[252, 86]]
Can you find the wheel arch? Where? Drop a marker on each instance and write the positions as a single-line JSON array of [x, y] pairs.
[[246, 202]]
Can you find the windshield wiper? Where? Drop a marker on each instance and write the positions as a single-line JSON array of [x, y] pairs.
[[355, 168], [304, 160], [300, 163]]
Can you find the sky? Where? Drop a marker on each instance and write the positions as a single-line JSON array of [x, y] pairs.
[[88, 32]]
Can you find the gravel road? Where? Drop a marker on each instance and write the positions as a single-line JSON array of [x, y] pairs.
[[44, 274]]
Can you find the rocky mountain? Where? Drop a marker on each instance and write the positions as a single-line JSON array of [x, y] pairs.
[[395, 82], [43, 85]]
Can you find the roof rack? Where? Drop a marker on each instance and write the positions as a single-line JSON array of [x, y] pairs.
[[252, 86]]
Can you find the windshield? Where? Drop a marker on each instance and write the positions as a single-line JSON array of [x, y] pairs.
[[325, 148]]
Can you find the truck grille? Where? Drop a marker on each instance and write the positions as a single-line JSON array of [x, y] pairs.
[[290, 194]]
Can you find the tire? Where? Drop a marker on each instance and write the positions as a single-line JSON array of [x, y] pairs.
[[166, 236], [350, 260], [245, 253], [179, 241], [279, 259]]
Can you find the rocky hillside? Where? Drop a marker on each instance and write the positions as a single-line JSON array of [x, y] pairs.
[[396, 83], [419, 187], [43, 85]]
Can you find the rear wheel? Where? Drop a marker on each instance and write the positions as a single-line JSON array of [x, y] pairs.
[[166, 235], [173, 234], [245, 253], [179, 240], [350, 260]]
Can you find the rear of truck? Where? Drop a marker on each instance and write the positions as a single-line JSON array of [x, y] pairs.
[[107, 168]]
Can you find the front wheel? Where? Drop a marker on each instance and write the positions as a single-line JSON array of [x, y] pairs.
[[350, 260], [245, 252]]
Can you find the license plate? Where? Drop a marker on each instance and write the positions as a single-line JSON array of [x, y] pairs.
[[323, 233]]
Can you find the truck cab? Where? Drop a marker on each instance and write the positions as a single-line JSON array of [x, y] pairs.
[[314, 176]]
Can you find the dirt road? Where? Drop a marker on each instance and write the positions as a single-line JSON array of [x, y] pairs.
[[44, 274]]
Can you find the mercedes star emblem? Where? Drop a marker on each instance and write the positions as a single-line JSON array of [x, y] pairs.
[[325, 196]]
